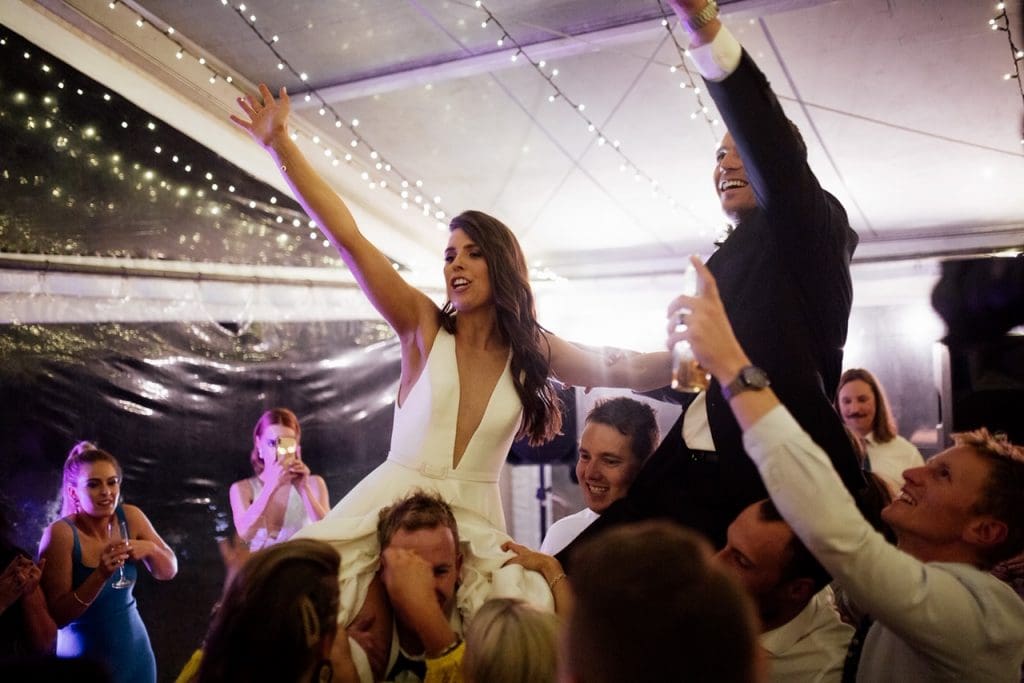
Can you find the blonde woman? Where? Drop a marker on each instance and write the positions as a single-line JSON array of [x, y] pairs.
[[85, 555]]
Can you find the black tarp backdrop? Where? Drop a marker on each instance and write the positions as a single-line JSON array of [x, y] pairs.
[[83, 171], [176, 404]]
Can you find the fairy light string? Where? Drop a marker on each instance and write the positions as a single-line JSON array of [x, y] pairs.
[[690, 83], [156, 164], [1001, 22], [377, 171], [409, 191], [559, 94], [380, 172]]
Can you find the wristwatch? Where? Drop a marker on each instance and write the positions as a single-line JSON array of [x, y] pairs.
[[751, 378], [703, 17]]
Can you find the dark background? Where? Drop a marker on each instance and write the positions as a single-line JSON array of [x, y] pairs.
[[83, 172], [176, 404]]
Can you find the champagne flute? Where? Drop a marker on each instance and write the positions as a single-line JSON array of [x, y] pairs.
[[687, 374], [122, 580]]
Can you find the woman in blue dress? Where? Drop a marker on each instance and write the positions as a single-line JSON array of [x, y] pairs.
[[85, 553]]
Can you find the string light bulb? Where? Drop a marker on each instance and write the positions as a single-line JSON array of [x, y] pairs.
[[1001, 22]]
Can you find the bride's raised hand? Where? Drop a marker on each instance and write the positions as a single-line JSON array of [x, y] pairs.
[[268, 118]]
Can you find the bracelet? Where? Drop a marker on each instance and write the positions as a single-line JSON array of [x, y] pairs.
[[551, 584], [450, 649], [80, 600], [703, 18]]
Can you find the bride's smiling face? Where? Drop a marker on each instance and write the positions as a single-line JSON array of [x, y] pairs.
[[467, 280]]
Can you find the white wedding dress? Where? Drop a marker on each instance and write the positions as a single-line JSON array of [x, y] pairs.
[[422, 448]]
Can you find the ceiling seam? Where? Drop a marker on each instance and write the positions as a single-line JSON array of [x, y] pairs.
[[576, 162], [810, 120], [905, 129]]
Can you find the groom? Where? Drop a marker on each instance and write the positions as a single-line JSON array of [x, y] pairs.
[[784, 275]]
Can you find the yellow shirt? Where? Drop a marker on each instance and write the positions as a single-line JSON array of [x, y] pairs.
[[447, 668]]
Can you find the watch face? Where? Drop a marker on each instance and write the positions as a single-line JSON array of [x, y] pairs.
[[754, 377]]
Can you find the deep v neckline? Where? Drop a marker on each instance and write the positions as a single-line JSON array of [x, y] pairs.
[[441, 369], [456, 459]]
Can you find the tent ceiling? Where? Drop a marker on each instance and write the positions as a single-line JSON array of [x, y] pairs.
[[907, 117]]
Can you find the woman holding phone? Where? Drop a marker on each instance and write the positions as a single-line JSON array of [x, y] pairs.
[[283, 495]]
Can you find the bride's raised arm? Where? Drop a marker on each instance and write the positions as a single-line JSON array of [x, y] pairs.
[[404, 307]]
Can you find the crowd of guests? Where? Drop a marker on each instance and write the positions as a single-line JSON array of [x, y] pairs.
[[762, 539]]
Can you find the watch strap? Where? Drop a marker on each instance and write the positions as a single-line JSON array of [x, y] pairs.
[[749, 378]]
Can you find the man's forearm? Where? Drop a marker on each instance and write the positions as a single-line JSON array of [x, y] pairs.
[[432, 628], [40, 627]]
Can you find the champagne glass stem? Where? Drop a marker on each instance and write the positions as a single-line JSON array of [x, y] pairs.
[[122, 580]]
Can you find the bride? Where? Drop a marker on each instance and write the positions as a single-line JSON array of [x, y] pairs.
[[475, 376]]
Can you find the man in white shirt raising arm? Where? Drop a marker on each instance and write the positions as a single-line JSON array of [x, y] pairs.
[[939, 614]]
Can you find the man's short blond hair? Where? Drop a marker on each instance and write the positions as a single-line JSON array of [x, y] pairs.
[[1003, 496]]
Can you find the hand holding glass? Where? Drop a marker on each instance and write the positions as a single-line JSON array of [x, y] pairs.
[[687, 374], [122, 580]]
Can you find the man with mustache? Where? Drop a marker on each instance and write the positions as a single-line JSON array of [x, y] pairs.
[[864, 407]]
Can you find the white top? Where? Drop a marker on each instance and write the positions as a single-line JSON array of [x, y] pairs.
[[935, 621], [565, 530], [891, 458], [295, 517], [811, 647]]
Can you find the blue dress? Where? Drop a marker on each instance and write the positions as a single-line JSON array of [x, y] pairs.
[[110, 631]]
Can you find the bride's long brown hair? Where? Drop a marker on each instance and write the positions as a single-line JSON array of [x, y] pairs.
[[517, 323]]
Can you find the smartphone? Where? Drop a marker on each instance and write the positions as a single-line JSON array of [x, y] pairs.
[[286, 447]]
